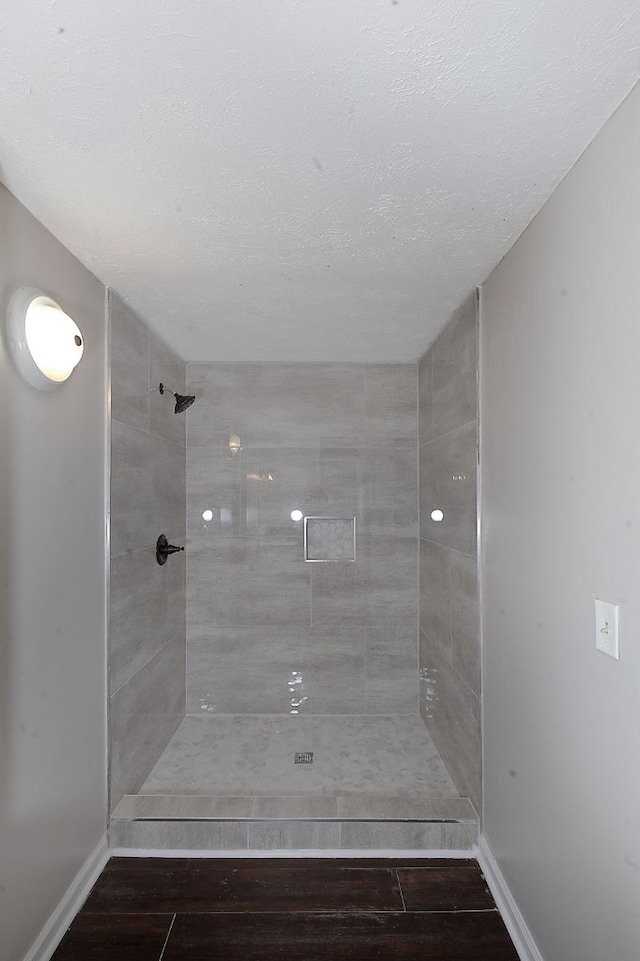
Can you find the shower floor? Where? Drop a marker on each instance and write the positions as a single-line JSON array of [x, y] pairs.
[[242, 766]]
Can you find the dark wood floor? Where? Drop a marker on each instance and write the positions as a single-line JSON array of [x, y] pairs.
[[309, 909]]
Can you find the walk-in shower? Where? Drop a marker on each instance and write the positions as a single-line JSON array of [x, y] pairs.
[[289, 628]]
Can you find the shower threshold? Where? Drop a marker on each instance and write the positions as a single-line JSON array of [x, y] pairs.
[[239, 774]]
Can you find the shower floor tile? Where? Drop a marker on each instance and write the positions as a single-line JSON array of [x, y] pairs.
[[253, 755]]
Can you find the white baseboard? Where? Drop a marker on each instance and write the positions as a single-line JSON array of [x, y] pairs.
[[288, 853], [53, 931], [514, 922]]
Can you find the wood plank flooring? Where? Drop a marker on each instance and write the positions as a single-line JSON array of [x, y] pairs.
[[157, 909]]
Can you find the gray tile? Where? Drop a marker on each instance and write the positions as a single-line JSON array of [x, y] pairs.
[[133, 514], [435, 594], [286, 480], [336, 597], [388, 568], [390, 491], [263, 670], [217, 482], [138, 613], [165, 366], [391, 669], [147, 488], [465, 640], [391, 405], [411, 836], [448, 470], [144, 714], [293, 836], [365, 806], [425, 400], [454, 371], [129, 365], [279, 405], [179, 835], [234, 582], [295, 807], [182, 807], [451, 712], [340, 487], [176, 569]]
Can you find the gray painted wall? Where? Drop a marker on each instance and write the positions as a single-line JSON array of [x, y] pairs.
[[560, 402], [449, 636], [52, 597], [147, 630], [336, 439]]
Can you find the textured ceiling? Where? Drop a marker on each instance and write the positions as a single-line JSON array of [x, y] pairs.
[[301, 179]]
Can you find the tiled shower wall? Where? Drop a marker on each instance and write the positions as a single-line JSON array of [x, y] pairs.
[[449, 635], [267, 632], [147, 626]]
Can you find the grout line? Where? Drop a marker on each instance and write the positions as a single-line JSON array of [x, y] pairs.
[[166, 940], [404, 906]]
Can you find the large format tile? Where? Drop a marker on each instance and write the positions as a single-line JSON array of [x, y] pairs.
[[123, 937], [295, 807], [340, 937], [166, 367], [435, 594], [217, 482], [145, 712], [390, 491], [448, 475], [267, 670], [178, 807], [129, 365], [430, 889], [179, 835], [235, 582], [391, 405], [465, 629], [425, 397], [451, 712], [375, 807], [138, 613], [293, 835], [138, 885], [409, 836], [336, 595], [454, 387], [147, 488], [291, 886], [283, 405], [389, 575], [391, 669]]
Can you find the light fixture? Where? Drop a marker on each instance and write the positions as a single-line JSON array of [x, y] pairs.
[[45, 343], [437, 515]]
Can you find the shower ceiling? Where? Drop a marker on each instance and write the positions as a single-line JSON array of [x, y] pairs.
[[301, 179]]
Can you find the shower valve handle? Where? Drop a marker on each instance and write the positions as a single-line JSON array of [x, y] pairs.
[[164, 548]]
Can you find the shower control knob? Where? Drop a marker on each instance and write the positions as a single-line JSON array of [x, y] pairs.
[[164, 548]]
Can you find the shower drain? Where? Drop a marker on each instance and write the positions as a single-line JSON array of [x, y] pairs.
[[303, 757]]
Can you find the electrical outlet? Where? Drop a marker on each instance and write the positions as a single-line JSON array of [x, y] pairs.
[[607, 628]]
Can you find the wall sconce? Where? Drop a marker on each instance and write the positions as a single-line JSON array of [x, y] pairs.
[[45, 343]]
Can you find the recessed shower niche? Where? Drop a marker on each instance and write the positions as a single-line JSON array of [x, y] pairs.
[[239, 655]]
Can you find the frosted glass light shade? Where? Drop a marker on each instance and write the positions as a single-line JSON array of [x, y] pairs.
[[45, 343]]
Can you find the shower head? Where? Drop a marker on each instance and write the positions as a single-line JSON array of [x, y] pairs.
[[182, 400]]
